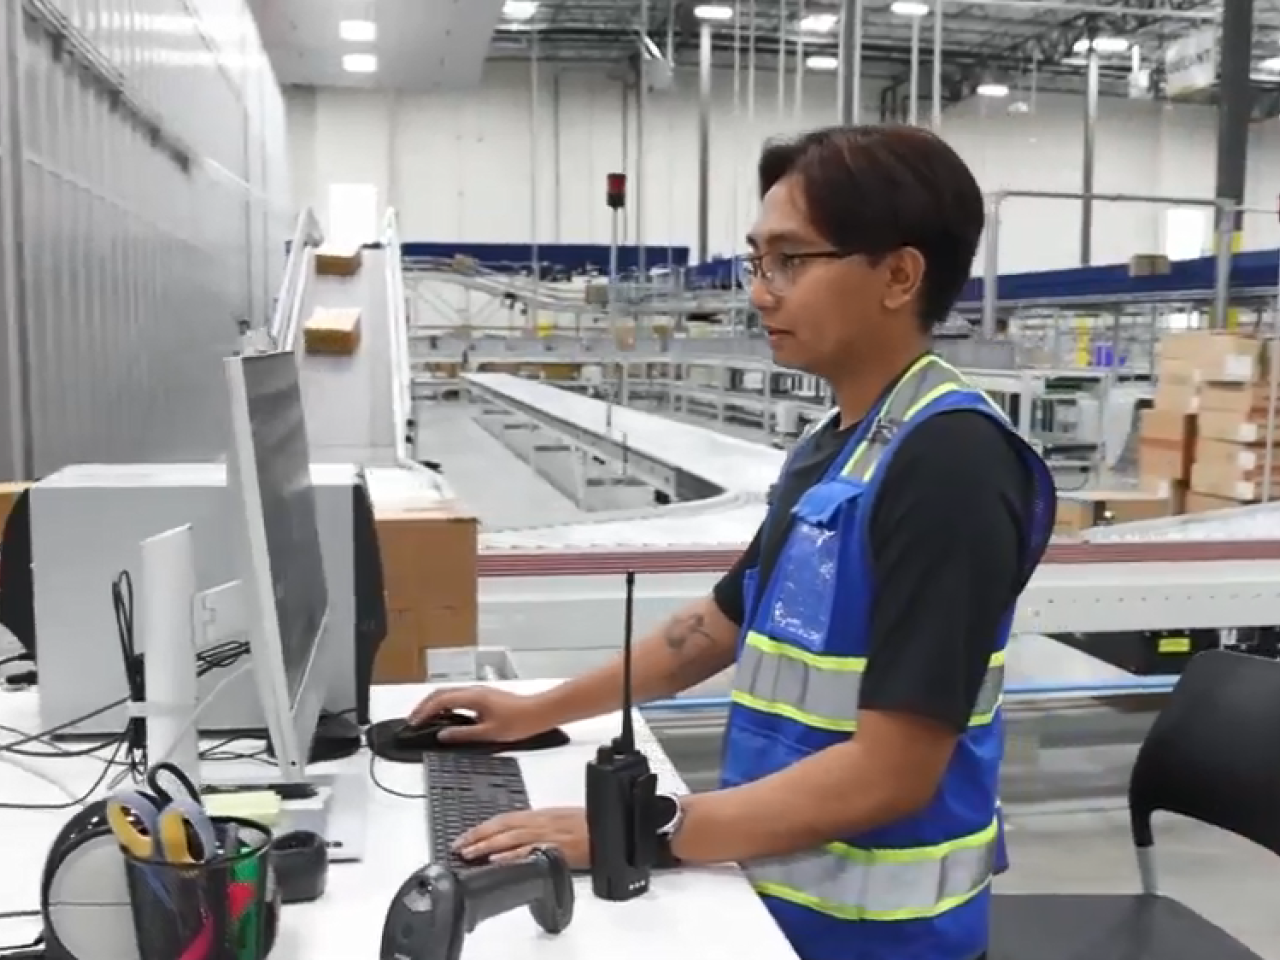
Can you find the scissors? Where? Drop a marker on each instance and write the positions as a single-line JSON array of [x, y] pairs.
[[166, 823]]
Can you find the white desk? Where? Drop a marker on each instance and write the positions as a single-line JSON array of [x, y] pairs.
[[710, 914]]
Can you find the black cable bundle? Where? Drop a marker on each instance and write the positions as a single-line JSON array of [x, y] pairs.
[[135, 736]]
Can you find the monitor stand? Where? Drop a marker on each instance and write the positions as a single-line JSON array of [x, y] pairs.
[[337, 737], [332, 803]]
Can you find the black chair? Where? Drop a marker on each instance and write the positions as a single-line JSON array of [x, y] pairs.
[[1213, 754]]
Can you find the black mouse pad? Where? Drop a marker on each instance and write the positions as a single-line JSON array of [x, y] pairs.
[[381, 738]]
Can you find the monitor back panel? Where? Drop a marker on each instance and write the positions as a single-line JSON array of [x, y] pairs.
[[87, 524]]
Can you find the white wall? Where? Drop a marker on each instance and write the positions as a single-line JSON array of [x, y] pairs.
[[460, 166]]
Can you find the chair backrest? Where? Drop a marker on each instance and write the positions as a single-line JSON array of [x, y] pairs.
[[1213, 753]]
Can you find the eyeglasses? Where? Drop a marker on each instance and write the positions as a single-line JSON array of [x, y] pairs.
[[779, 271]]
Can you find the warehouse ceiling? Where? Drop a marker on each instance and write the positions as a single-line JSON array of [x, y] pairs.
[[1027, 45], [1020, 43], [415, 44]]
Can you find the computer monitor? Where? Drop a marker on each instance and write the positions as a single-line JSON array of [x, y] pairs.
[[269, 478]]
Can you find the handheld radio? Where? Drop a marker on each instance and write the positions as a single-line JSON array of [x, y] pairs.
[[621, 794]]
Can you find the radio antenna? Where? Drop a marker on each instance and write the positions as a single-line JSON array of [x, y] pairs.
[[627, 741]]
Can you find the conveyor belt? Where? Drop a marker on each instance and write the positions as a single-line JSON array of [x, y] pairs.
[[349, 401]]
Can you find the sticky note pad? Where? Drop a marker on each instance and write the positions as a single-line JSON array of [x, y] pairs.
[[260, 806]]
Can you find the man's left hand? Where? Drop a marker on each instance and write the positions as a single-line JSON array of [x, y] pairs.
[[515, 835]]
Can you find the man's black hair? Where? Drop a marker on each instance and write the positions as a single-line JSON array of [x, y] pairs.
[[874, 189]]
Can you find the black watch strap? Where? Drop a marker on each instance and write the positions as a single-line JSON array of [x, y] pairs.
[[668, 811], [664, 858]]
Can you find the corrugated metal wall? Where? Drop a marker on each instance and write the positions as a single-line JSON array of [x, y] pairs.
[[143, 210]]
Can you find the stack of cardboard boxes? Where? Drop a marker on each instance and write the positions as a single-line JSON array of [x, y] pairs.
[[1233, 403], [1207, 430], [1202, 445], [1167, 431]]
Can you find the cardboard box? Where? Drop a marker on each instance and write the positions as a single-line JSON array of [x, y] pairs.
[[1217, 356], [332, 262], [1233, 471], [1244, 401], [9, 492], [1078, 511], [429, 573], [1149, 265], [1163, 425], [1229, 427], [1166, 445], [1207, 503], [1160, 464], [332, 332], [1177, 386]]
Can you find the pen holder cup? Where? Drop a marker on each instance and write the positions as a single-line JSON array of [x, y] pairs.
[[226, 908]]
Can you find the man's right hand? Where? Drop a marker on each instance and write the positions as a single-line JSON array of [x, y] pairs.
[[501, 716]]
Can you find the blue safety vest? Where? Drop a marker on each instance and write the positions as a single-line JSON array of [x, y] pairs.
[[918, 889]]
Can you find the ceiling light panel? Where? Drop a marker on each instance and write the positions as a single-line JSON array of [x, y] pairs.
[[360, 63], [358, 31]]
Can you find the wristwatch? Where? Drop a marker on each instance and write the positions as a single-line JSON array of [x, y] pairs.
[[668, 818]]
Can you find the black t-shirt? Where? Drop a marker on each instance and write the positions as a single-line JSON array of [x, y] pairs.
[[948, 537]]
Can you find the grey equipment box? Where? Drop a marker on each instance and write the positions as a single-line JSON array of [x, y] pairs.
[[87, 522]]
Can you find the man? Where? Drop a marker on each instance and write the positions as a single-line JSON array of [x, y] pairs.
[[869, 615]]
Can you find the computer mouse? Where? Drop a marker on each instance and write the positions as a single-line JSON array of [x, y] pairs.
[[426, 734]]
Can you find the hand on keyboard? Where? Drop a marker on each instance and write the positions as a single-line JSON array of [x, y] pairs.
[[511, 836]]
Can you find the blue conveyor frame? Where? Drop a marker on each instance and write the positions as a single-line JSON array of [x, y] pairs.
[[1253, 274]]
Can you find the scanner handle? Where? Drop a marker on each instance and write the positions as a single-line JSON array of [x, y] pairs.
[[499, 888]]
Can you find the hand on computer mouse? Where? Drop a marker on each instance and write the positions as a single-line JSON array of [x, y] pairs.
[[501, 717]]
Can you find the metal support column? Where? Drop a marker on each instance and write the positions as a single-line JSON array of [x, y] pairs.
[[855, 83], [1235, 107], [781, 65], [991, 266], [848, 81], [1090, 149], [642, 106], [797, 98], [936, 67], [17, 451], [704, 143], [913, 85], [535, 187]]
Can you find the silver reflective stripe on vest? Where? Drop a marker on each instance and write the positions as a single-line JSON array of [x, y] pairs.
[[822, 691], [927, 380], [852, 884]]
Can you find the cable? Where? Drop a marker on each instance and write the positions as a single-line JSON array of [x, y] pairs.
[[79, 800], [45, 735], [56, 751], [195, 718], [219, 751], [373, 776], [135, 727]]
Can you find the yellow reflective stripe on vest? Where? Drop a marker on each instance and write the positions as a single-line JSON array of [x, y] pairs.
[[929, 378], [821, 691], [855, 884]]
